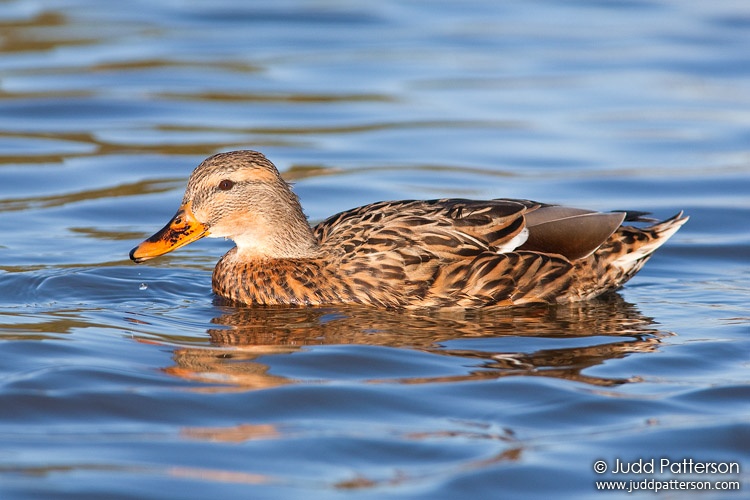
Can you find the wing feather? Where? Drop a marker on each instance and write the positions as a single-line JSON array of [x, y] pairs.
[[448, 228]]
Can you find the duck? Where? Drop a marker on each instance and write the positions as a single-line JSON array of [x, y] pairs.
[[406, 254]]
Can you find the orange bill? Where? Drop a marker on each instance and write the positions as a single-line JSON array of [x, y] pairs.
[[181, 230]]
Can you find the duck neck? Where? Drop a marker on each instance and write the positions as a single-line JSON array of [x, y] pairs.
[[289, 240]]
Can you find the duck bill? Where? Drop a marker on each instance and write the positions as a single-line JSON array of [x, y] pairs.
[[181, 230]]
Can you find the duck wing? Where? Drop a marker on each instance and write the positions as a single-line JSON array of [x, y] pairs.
[[446, 228], [456, 252], [571, 232]]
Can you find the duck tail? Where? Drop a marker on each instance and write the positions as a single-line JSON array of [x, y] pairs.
[[640, 243], [621, 257]]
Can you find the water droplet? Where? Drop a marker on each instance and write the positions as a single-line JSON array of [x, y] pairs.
[[143, 286]]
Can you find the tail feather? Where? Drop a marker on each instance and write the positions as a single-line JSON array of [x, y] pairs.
[[647, 240], [621, 257]]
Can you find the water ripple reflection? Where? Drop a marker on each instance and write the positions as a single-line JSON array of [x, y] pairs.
[[250, 346]]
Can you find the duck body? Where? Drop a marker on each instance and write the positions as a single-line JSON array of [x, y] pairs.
[[407, 254]]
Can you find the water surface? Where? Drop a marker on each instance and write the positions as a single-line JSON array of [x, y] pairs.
[[125, 381]]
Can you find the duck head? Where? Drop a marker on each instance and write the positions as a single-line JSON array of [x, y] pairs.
[[241, 196]]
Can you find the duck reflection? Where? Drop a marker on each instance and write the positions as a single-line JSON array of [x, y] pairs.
[[558, 341]]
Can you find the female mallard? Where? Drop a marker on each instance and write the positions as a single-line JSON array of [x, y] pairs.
[[399, 254]]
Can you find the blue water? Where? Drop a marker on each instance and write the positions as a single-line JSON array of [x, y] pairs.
[[125, 381]]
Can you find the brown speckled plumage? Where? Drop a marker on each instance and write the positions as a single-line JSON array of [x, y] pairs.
[[403, 254]]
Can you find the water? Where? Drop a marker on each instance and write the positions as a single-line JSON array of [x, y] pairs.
[[125, 381]]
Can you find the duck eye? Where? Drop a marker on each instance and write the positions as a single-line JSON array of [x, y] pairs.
[[226, 185]]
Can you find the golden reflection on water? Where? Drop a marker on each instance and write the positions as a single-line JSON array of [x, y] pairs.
[[235, 434], [511, 449], [247, 334]]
